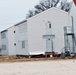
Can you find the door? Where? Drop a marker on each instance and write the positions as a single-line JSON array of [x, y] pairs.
[[49, 45]]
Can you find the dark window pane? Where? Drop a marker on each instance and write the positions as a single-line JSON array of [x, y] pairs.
[[49, 25]]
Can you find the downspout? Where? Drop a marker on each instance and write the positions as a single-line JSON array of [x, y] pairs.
[[73, 37]]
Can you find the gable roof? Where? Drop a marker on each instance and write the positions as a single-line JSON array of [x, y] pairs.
[[50, 9]]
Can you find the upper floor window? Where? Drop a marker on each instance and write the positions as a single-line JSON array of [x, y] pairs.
[[3, 35], [50, 25]]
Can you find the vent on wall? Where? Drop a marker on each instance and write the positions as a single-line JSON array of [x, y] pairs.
[[14, 44], [14, 31]]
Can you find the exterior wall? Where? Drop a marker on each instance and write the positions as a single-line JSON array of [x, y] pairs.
[[28, 36], [21, 35], [11, 41], [8, 41], [4, 41], [37, 28], [73, 14], [0, 43]]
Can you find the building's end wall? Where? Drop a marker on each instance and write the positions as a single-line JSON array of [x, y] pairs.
[[11, 41], [37, 28], [4, 43]]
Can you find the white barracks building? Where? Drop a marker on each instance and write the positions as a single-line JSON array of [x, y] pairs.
[[53, 30]]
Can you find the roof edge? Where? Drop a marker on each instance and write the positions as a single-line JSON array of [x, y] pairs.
[[20, 22], [48, 10]]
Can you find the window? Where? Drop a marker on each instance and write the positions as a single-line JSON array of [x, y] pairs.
[[48, 38], [3, 35], [50, 25], [23, 44], [3, 47]]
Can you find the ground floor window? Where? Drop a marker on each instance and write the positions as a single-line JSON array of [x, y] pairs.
[[23, 44], [3, 47]]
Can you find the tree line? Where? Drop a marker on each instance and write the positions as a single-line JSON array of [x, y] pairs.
[[46, 4]]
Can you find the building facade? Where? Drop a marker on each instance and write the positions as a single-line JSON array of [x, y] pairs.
[[53, 30], [42, 33], [46, 31], [8, 44], [21, 38]]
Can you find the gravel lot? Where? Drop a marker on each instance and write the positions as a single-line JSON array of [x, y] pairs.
[[48, 67]]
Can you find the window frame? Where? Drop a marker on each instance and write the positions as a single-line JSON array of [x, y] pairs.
[[3, 47], [23, 44]]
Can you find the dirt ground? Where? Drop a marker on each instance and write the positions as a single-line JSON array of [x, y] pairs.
[[22, 59], [48, 67]]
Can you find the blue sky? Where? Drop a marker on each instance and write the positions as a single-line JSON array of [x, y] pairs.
[[13, 11]]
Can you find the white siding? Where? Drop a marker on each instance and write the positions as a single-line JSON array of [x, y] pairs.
[[4, 42], [21, 35], [0, 43], [28, 36], [11, 41], [73, 14], [7, 42], [37, 28]]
